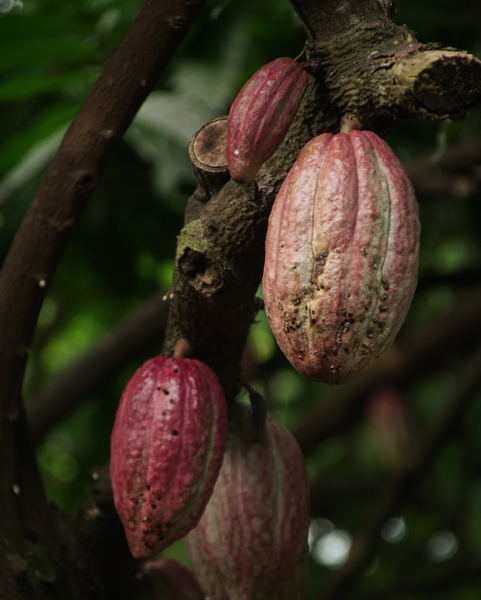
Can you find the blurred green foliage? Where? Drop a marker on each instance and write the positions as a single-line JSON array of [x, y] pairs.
[[52, 51]]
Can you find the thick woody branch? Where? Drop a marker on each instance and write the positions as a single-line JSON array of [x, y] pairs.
[[362, 63], [48, 226]]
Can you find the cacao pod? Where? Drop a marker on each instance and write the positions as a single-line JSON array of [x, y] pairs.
[[165, 579], [251, 538], [342, 252], [389, 416], [261, 115], [167, 447]]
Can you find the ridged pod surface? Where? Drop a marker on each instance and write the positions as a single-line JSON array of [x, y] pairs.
[[167, 448], [342, 252], [250, 541], [261, 114]]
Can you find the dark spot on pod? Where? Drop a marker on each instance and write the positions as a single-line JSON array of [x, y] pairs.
[[293, 320], [332, 368], [375, 265], [385, 285], [158, 496], [383, 308], [300, 357], [323, 262], [286, 314], [163, 414], [313, 280], [352, 320], [135, 500], [335, 350], [296, 301], [322, 287], [169, 365], [153, 505], [381, 324], [158, 526], [158, 387], [374, 320], [324, 254], [316, 353], [176, 370], [165, 391], [147, 486], [313, 312], [296, 310], [172, 401], [160, 536], [313, 320], [346, 349], [363, 251], [148, 530], [384, 296], [317, 257], [174, 359], [339, 368], [370, 335], [294, 266], [175, 432]]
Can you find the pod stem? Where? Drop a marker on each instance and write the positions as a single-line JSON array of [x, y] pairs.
[[259, 411], [182, 348], [349, 123]]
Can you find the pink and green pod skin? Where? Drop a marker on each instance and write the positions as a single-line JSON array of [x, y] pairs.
[[250, 541], [165, 579], [261, 115], [342, 252], [167, 448]]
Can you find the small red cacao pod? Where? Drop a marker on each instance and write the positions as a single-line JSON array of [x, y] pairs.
[[165, 579], [167, 447], [253, 533], [342, 251], [261, 115]]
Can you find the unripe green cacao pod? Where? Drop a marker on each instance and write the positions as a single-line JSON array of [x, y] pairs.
[[261, 114], [167, 448], [250, 541], [342, 252]]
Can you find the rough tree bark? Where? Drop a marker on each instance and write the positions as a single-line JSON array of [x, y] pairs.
[[363, 64]]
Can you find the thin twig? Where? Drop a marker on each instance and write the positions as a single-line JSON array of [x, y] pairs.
[[402, 483]]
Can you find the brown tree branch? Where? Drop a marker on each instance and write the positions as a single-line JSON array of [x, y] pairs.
[[398, 489], [83, 376], [44, 233]]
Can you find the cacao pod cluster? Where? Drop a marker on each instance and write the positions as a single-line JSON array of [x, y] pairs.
[[176, 467], [342, 245]]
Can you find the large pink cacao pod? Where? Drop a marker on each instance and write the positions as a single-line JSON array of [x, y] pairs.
[[250, 541], [165, 579], [167, 448], [261, 114], [342, 252]]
